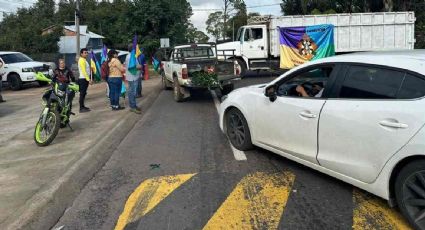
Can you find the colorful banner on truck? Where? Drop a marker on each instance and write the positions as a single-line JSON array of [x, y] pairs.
[[302, 44]]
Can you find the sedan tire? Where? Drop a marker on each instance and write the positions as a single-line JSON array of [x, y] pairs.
[[237, 130], [410, 193]]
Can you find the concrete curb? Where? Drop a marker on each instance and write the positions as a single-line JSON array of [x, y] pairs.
[[45, 208]]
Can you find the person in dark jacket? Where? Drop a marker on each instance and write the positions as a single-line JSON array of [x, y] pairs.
[[63, 74]]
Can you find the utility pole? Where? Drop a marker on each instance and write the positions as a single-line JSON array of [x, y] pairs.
[[77, 29]]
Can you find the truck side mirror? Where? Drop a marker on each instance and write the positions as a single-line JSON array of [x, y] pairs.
[[271, 92]]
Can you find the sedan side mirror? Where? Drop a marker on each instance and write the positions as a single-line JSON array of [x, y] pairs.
[[271, 92]]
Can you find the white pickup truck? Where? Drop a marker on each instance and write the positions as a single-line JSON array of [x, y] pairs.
[[185, 60], [18, 69]]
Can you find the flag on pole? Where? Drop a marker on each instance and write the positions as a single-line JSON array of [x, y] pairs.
[[302, 44], [155, 64], [95, 67], [104, 55]]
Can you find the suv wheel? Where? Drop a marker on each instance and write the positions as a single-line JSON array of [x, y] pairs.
[[410, 193], [14, 81]]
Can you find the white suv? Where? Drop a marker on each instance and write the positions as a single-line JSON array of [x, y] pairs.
[[18, 69]]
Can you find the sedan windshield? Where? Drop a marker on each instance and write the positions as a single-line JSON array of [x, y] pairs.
[[15, 58]]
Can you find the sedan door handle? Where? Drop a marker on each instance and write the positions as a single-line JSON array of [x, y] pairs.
[[391, 124], [307, 114]]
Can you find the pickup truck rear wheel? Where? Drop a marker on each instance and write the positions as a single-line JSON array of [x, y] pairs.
[[165, 82], [178, 96], [15, 82]]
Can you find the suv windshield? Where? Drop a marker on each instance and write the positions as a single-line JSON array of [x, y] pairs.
[[15, 58]]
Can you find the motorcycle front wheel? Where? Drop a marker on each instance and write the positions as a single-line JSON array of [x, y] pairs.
[[45, 134]]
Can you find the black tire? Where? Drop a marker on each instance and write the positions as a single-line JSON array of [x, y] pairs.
[[42, 83], [178, 96], [237, 130], [227, 89], [164, 81], [55, 130], [15, 82], [410, 193], [243, 67]]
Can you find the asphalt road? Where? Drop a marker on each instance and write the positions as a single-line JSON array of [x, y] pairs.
[[176, 170]]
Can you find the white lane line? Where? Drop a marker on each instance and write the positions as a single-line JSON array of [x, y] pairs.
[[239, 155]]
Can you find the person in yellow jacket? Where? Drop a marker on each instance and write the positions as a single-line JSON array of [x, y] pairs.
[[84, 79]]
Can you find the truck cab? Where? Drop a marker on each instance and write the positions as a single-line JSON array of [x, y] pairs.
[[252, 46]]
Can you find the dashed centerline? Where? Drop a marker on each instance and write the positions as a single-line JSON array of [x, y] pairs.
[[239, 155]]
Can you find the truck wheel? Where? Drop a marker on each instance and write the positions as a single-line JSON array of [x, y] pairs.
[[227, 89], [164, 81], [14, 81], [178, 96], [241, 63], [409, 193]]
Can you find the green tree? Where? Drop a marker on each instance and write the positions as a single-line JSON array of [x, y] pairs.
[[194, 35], [215, 25]]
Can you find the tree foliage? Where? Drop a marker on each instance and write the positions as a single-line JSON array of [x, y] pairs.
[[117, 20]]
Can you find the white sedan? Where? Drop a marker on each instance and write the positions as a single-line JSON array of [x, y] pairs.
[[356, 117]]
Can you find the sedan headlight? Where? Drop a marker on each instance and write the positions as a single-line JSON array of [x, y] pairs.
[[28, 70]]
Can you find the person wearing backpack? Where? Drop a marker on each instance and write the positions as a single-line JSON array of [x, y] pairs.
[[116, 70]]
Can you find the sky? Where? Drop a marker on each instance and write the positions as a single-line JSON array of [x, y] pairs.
[[198, 19]]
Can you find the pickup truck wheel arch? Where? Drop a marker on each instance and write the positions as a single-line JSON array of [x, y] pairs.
[[177, 94], [14, 81], [165, 82]]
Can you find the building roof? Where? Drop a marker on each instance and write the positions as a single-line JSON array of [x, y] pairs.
[[84, 31]]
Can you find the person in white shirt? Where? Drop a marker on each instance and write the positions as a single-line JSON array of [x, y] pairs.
[[1, 81]]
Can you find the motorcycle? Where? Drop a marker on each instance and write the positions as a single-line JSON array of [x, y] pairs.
[[56, 111]]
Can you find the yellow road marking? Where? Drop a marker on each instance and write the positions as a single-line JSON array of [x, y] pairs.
[[149, 193], [257, 202], [373, 213]]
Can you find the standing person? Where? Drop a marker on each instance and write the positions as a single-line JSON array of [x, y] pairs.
[[84, 79], [116, 70], [1, 81], [133, 80], [142, 61]]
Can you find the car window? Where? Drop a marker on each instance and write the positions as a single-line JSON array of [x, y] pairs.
[[257, 33], [314, 81], [15, 58], [412, 87], [365, 82]]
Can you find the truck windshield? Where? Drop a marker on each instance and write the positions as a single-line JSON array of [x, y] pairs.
[[195, 52], [15, 58], [238, 36]]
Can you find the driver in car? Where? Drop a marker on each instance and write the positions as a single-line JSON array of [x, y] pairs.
[[317, 91]]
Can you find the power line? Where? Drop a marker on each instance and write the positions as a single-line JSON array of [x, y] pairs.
[[255, 6]]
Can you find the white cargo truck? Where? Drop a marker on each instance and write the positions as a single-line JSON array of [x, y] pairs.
[[257, 45]]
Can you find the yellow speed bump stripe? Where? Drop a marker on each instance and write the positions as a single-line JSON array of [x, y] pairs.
[[257, 202], [149, 193], [374, 213]]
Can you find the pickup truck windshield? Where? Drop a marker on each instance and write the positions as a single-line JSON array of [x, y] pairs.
[[15, 58], [195, 52]]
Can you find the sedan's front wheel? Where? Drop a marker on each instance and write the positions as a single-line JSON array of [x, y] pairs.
[[410, 193], [238, 130]]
